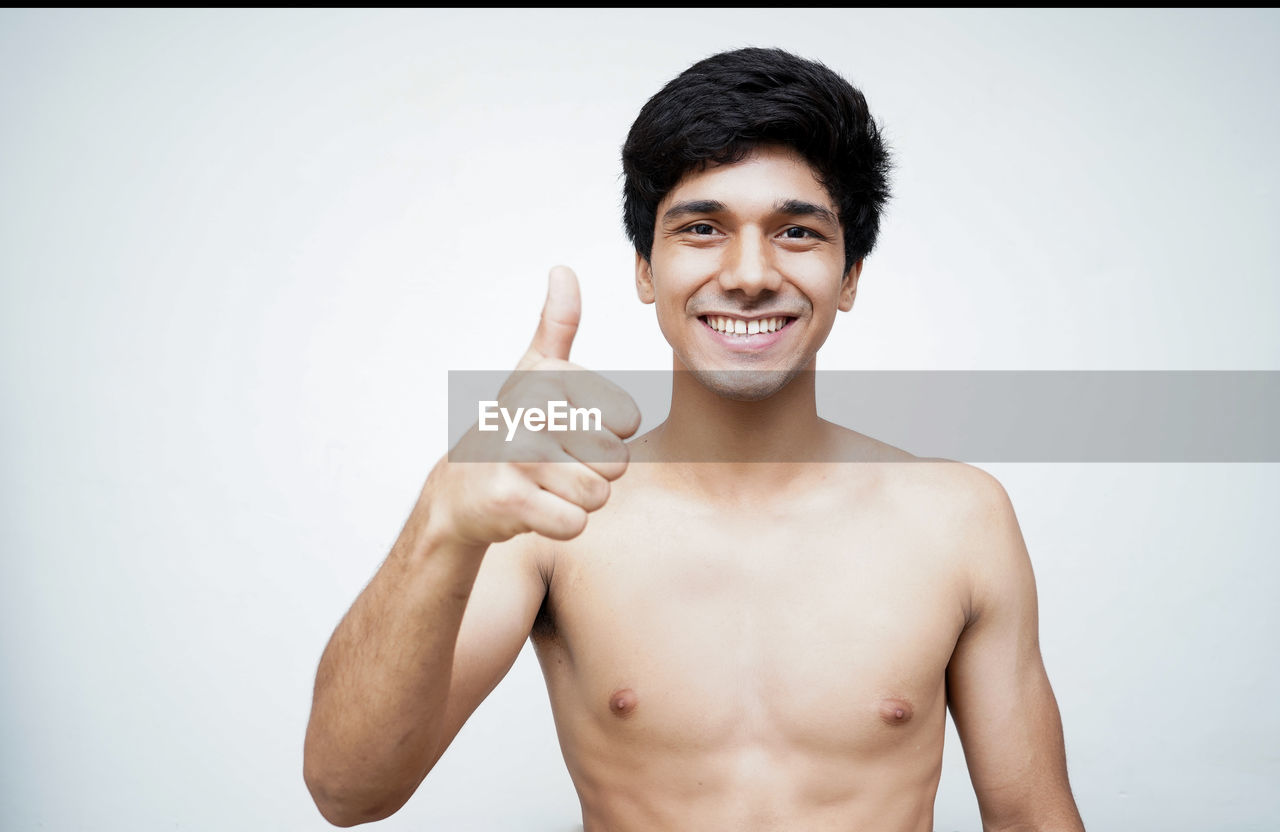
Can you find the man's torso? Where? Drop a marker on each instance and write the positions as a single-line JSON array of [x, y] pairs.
[[758, 664]]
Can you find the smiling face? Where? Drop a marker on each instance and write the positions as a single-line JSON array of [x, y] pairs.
[[747, 272]]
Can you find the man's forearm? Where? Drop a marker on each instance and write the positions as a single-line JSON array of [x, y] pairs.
[[383, 680]]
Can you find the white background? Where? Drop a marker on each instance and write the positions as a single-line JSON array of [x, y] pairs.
[[239, 251]]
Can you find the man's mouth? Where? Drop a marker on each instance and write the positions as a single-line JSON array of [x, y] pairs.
[[745, 327]]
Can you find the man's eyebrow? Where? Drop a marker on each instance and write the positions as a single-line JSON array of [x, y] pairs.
[[789, 207], [800, 208], [693, 206]]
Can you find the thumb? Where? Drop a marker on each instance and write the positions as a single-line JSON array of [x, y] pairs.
[[560, 315]]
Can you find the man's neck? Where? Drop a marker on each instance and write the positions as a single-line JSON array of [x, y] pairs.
[[738, 448]]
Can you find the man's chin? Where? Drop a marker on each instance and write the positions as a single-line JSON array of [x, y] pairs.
[[745, 385]]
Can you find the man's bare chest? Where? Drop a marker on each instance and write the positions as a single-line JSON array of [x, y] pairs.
[[753, 629]]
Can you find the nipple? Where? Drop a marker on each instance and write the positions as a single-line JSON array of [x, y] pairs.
[[623, 702], [895, 711]]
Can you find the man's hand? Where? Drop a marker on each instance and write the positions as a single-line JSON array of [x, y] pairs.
[[541, 481]]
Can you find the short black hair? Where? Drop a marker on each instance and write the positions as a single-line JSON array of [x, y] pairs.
[[719, 109]]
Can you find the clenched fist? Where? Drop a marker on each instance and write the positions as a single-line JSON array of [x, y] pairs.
[[545, 481]]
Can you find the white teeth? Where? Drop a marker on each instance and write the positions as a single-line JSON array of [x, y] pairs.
[[734, 326]]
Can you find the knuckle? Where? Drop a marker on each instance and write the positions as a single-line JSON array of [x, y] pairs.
[[528, 448], [510, 493], [596, 492], [615, 456], [563, 525], [613, 466], [575, 522], [630, 415]]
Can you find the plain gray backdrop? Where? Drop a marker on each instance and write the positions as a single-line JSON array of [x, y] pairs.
[[240, 250]]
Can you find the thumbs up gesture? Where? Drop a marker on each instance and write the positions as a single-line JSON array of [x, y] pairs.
[[545, 481]]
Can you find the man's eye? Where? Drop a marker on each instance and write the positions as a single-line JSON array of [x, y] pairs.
[[701, 228], [795, 232]]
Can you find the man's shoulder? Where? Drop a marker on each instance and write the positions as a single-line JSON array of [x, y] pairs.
[[953, 499], [957, 483], [965, 487]]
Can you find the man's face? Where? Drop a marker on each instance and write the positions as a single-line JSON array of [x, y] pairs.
[[747, 272]]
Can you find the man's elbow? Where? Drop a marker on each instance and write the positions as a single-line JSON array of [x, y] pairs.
[[345, 806]]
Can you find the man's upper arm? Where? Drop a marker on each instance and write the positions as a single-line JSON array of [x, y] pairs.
[[998, 691], [505, 599]]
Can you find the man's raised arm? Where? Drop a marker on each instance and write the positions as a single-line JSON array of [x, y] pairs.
[[406, 667], [999, 694]]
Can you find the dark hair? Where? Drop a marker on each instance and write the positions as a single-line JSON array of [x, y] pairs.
[[720, 108]]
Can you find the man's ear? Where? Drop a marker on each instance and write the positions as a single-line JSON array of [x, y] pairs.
[[849, 286], [644, 279]]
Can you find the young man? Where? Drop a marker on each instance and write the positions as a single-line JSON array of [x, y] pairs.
[[762, 641]]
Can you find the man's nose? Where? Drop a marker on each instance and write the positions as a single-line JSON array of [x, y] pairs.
[[749, 266]]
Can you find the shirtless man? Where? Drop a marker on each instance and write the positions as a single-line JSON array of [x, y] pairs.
[[763, 642]]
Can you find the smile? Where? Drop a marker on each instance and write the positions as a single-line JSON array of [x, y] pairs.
[[741, 327]]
